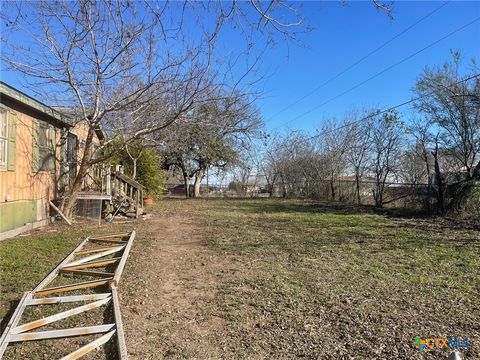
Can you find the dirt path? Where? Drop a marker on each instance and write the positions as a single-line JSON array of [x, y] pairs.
[[170, 274]]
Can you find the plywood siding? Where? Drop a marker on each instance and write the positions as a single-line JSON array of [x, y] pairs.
[[25, 192], [22, 183], [81, 131]]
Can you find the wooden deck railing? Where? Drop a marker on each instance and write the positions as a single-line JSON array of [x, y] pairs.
[[109, 182], [130, 188]]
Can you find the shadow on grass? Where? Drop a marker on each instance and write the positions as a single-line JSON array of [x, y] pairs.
[[259, 205], [8, 315]]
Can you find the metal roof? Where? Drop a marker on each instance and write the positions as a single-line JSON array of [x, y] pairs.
[[9, 91]]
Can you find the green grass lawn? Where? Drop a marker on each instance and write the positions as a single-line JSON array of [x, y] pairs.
[[425, 254]]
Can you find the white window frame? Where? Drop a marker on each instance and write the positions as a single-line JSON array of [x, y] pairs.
[[4, 138]]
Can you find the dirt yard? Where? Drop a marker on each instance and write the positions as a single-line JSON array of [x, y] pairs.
[[211, 279]]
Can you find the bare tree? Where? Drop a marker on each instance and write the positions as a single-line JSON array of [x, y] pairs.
[[267, 161], [334, 138], [386, 148], [421, 131], [359, 144], [297, 165], [412, 169], [452, 105], [134, 58]]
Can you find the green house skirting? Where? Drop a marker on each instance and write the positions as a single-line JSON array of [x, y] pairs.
[[16, 214]]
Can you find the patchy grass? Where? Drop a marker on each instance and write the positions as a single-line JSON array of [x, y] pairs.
[[333, 281], [372, 246]]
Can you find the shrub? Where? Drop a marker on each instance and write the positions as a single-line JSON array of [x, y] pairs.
[[466, 200]]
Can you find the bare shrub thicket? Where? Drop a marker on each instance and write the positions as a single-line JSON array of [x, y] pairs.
[[381, 157]]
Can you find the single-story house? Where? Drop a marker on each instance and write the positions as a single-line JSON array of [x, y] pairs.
[[39, 152]]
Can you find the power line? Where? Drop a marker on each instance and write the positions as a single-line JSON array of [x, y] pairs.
[[381, 72], [386, 110], [358, 61]]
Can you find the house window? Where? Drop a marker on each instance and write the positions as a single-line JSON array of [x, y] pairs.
[[45, 149], [3, 138]]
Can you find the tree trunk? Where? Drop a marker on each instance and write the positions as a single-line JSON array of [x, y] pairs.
[[186, 183], [270, 185], [68, 202], [134, 175], [439, 181], [427, 167], [378, 192], [357, 183], [284, 187], [196, 186], [70, 197], [332, 187], [378, 197]]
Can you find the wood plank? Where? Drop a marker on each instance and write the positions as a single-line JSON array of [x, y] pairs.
[[53, 274], [62, 333], [60, 213], [110, 241], [14, 320], [93, 264], [62, 315], [66, 299], [93, 196], [81, 285], [121, 345], [89, 347], [126, 180], [110, 236], [95, 256], [95, 250], [86, 272], [121, 265]]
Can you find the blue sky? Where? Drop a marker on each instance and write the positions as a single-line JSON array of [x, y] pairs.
[[344, 34]]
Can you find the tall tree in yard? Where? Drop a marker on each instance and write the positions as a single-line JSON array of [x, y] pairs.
[[421, 130], [212, 135], [300, 165], [267, 161], [135, 59]]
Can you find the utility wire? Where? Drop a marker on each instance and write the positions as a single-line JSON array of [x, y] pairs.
[[385, 110], [313, 91], [380, 73]]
